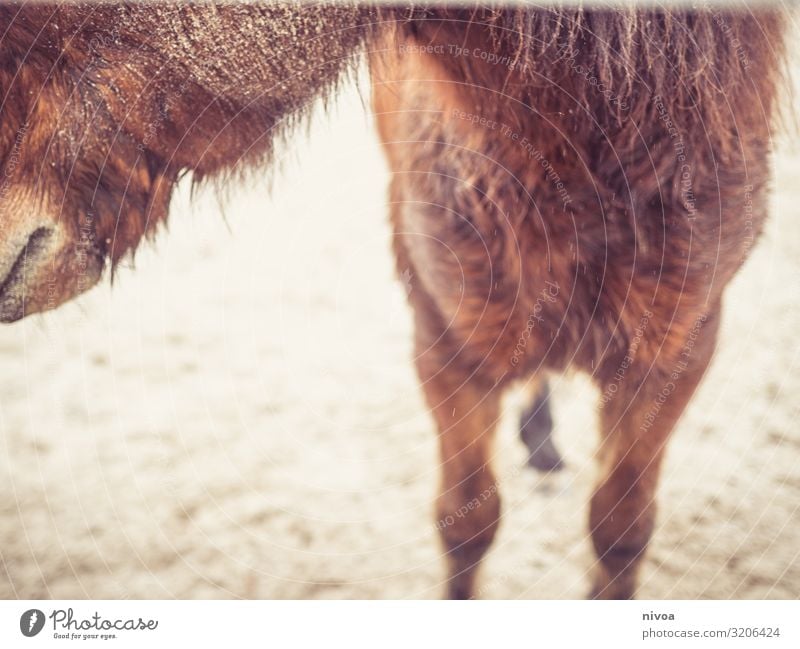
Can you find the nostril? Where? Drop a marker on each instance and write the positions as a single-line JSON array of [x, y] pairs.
[[37, 241], [32, 250]]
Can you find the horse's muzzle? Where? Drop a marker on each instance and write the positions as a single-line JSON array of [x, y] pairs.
[[41, 270], [20, 268]]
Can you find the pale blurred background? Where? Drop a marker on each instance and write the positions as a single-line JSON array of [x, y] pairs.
[[239, 417]]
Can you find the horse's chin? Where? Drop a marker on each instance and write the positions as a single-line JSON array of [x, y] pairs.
[[43, 273]]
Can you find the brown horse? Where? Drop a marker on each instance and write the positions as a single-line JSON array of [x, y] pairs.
[[571, 188]]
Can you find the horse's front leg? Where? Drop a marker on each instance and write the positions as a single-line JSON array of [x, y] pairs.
[[636, 425], [468, 505], [466, 411]]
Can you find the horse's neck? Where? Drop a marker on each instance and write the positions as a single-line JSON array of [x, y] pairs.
[[245, 53]]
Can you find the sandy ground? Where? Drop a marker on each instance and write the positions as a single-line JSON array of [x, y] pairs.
[[240, 418]]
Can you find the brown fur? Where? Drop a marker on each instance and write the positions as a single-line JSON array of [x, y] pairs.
[[616, 265], [558, 225]]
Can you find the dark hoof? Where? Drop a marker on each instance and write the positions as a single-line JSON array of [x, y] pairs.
[[611, 591], [461, 585], [536, 428], [459, 591], [622, 586], [545, 457]]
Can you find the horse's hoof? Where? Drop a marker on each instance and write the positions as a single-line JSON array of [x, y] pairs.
[[535, 430], [621, 587], [459, 593], [605, 594], [460, 587], [546, 458]]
